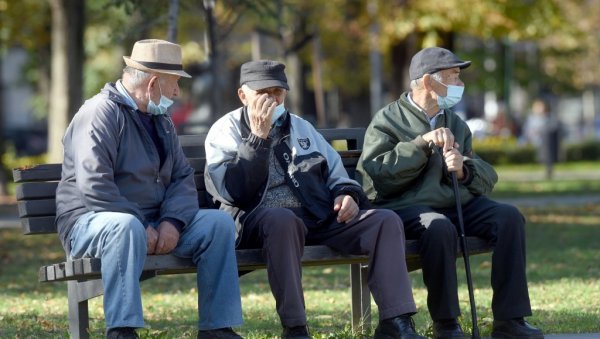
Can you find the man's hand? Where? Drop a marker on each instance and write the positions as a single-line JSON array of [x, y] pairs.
[[441, 137], [152, 237], [260, 111], [168, 236], [454, 162], [346, 207]]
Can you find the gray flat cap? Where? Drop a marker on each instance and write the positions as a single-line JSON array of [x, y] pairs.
[[434, 59], [263, 74]]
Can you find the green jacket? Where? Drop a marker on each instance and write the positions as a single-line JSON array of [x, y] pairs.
[[398, 168]]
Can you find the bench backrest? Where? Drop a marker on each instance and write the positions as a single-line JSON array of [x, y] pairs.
[[36, 191]]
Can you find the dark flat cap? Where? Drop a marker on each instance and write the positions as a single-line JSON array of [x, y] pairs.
[[434, 59], [263, 74]]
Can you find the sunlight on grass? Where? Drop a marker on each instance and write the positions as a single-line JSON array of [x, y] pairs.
[[563, 246]]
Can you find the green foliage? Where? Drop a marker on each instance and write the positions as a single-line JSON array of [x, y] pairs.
[[10, 159], [501, 150], [585, 151]]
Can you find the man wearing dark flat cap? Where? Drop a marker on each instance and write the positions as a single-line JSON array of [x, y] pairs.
[[410, 148], [287, 187], [128, 191]]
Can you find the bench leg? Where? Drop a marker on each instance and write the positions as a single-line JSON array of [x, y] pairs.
[[79, 293], [361, 298]]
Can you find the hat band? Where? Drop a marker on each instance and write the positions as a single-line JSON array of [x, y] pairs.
[[160, 65]]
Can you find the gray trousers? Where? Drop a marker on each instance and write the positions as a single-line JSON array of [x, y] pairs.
[[501, 224], [281, 233]]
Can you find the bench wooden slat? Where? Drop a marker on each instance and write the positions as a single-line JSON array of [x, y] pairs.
[[36, 190], [247, 259], [36, 208], [44, 172], [354, 137], [192, 140], [38, 225], [197, 164]]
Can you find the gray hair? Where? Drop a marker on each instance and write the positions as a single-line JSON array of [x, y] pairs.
[[418, 83], [137, 77]]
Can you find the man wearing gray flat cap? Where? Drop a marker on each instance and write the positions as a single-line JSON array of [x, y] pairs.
[[411, 148], [287, 187]]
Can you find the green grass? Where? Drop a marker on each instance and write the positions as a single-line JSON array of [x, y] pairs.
[[563, 247], [563, 251], [581, 178]]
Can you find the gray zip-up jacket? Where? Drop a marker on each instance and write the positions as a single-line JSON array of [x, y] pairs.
[[237, 167], [111, 164]]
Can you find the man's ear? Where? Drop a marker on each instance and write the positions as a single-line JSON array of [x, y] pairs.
[[242, 96], [153, 81], [427, 81]]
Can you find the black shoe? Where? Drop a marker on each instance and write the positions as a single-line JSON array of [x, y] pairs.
[[221, 333], [449, 329], [401, 327], [122, 333], [298, 332], [515, 328]]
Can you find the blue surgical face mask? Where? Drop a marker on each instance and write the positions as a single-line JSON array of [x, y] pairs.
[[453, 96], [162, 106], [278, 112]]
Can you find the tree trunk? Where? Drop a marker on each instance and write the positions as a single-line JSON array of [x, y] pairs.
[[375, 83], [402, 53], [214, 62], [68, 23], [322, 120], [3, 175], [173, 13]]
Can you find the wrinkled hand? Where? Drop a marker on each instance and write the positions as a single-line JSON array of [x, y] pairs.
[[168, 236], [441, 137], [346, 207], [260, 111], [454, 162], [152, 236]]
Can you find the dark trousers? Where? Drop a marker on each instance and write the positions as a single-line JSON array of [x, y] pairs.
[[502, 225], [281, 234]]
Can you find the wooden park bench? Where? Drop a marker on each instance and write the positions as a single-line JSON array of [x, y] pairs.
[[36, 204]]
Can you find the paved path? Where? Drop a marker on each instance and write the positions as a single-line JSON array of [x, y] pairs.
[[573, 336], [552, 200], [568, 336]]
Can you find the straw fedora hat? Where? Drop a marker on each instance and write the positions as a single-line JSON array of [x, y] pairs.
[[153, 55]]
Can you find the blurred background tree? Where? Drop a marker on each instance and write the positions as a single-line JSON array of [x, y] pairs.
[[344, 58]]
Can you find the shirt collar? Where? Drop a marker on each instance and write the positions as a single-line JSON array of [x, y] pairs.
[[125, 94], [431, 120]]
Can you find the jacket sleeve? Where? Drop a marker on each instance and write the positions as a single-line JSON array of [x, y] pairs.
[[96, 133], [236, 169], [391, 161], [338, 180], [482, 176], [181, 197]]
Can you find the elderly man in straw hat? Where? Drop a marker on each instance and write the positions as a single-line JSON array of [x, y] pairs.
[[128, 191]]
